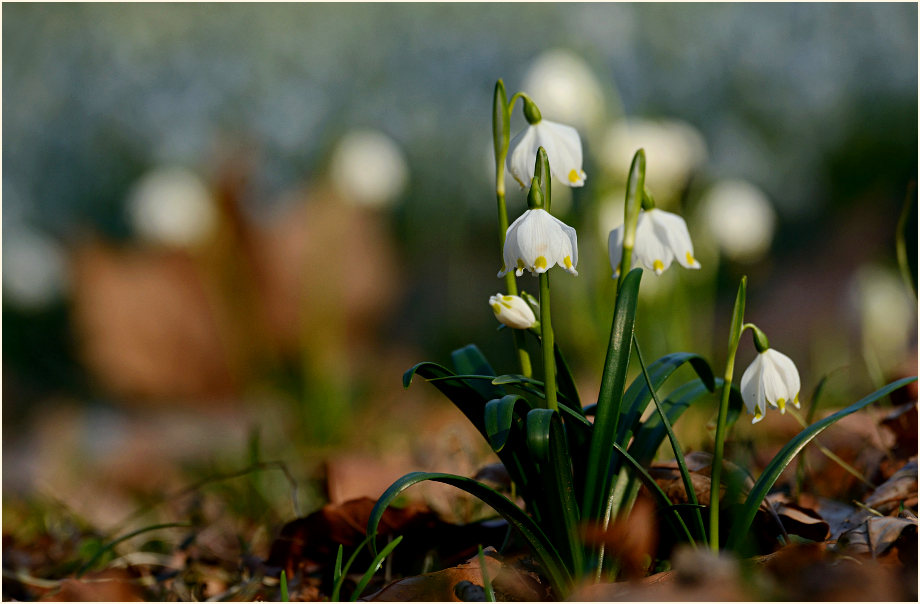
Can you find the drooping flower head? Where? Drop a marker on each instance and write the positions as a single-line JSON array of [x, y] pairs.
[[512, 311], [561, 143], [772, 378], [537, 241], [661, 237]]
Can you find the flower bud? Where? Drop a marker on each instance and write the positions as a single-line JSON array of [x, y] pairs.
[[512, 311]]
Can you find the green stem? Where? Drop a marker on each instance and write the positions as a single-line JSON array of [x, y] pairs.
[[501, 136], [734, 338], [549, 358]]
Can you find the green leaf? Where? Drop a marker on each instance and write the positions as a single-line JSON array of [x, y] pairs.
[[610, 398], [557, 573], [500, 415], [461, 394], [638, 395], [470, 359], [675, 445], [651, 432], [661, 498], [566, 382], [771, 473], [547, 444]]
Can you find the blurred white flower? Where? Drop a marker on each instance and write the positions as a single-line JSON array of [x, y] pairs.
[[771, 378], [563, 150], [661, 238], [513, 311], [368, 168], [673, 149], [885, 311], [172, 206], [739, 218], [35, 270], [564, 87], [537, 241]]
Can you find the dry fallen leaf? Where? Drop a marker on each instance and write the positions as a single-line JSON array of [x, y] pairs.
[[631, 541], [109, 585], [898, 491], [463, 581], [311, 543], [883, 537], [698, 576]]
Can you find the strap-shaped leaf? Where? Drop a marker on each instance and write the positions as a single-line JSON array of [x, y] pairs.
[[470, 359], [638, 395], [610, 397], [768, 477], [651, 432], [500, 415], [565, 381], [505, 421], [557, 573], [547, 444], [658, 494], [460, 393]]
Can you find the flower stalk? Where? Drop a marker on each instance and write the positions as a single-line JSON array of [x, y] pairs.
[[734, 338], [501, 137], [540, 198]]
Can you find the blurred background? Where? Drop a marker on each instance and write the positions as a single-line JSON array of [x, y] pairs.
[[229, 229]]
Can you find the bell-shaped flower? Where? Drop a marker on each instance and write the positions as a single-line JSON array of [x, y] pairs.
[[771, 378], [563, 150], [513, 311], [661, 237], [537, 241]]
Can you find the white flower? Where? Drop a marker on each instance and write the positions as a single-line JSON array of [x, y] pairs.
[[674, 150], [661, 237], [173, 207], [565, 88], [771, 378], [368, 168], [739, 218], [563, 150], [537, 241], [513, 311]]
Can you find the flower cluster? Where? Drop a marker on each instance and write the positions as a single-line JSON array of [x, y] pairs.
[[537, 241]]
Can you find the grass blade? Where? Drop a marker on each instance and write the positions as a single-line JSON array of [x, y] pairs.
[[678, 452], [486, 582], [544, 550], [372, 569], [661, 498], [284, 588], [639, 395]]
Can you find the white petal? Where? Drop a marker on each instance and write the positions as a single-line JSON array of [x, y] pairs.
[[563, 149], [615, 248], [673, 230], [781, 379], [522, 153], [752, 387], [511, 251], [650, 251]]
